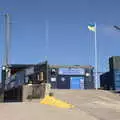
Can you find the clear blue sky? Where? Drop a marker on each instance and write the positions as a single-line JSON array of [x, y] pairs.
[[70, 42]]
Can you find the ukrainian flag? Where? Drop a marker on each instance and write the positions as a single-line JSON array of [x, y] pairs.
[[92, 27]]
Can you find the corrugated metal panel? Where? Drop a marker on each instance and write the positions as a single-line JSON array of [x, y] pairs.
[[117, 83], [114, 62], [106, 81], [63, 82], [117, 88], [117, 75], [117, 79]]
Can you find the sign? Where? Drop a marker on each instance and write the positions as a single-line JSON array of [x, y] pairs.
[[53, 79], [71, 71]]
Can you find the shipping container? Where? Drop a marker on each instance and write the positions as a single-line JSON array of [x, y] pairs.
[[89, 79], [20, 78], [107, 81], [63, 82], [117, 79], [114, 62]]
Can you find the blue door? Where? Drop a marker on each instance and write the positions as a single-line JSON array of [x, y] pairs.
[[75, 83]]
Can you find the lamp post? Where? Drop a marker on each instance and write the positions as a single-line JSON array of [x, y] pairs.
[[116, 27]]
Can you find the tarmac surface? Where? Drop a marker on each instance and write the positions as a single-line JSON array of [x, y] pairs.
[[89, 105]]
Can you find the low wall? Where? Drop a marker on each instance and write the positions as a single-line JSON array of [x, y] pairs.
[[34, 91]]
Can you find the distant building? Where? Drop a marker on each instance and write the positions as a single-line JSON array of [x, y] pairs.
[[59, 76], [71, 77]]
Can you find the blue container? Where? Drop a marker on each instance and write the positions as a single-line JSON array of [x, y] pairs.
[[117, 88], [117, 79], [77, 83]]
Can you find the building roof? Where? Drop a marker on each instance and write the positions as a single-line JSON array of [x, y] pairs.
[[71, 66], [20, 65]]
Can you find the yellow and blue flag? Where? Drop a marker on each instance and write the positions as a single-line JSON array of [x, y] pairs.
[[92, 27]]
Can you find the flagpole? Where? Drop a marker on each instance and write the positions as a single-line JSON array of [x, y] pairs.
[[46, 47], [96, 64], [46, 40]]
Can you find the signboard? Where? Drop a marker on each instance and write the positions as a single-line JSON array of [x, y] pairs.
[[71, 71], [53, 79]]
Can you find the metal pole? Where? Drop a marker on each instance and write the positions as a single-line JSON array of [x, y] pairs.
[[7, 39], [47, 71], [96, 64], [46, 47], [47, 40]]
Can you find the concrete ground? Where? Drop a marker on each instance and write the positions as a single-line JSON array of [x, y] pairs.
[[99, 104], [90, 105]]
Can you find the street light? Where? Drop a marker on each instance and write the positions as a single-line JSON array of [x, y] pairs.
[[116, 27]]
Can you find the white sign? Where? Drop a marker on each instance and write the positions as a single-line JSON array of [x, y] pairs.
[[71, 71], [53, 79]]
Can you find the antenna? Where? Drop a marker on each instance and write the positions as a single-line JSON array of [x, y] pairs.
[[46, 39], [46, 47]]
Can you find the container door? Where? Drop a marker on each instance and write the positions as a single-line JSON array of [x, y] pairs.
[[117, 80], [75, 83]]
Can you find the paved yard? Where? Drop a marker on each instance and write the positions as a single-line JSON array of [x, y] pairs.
[[90, 105]]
